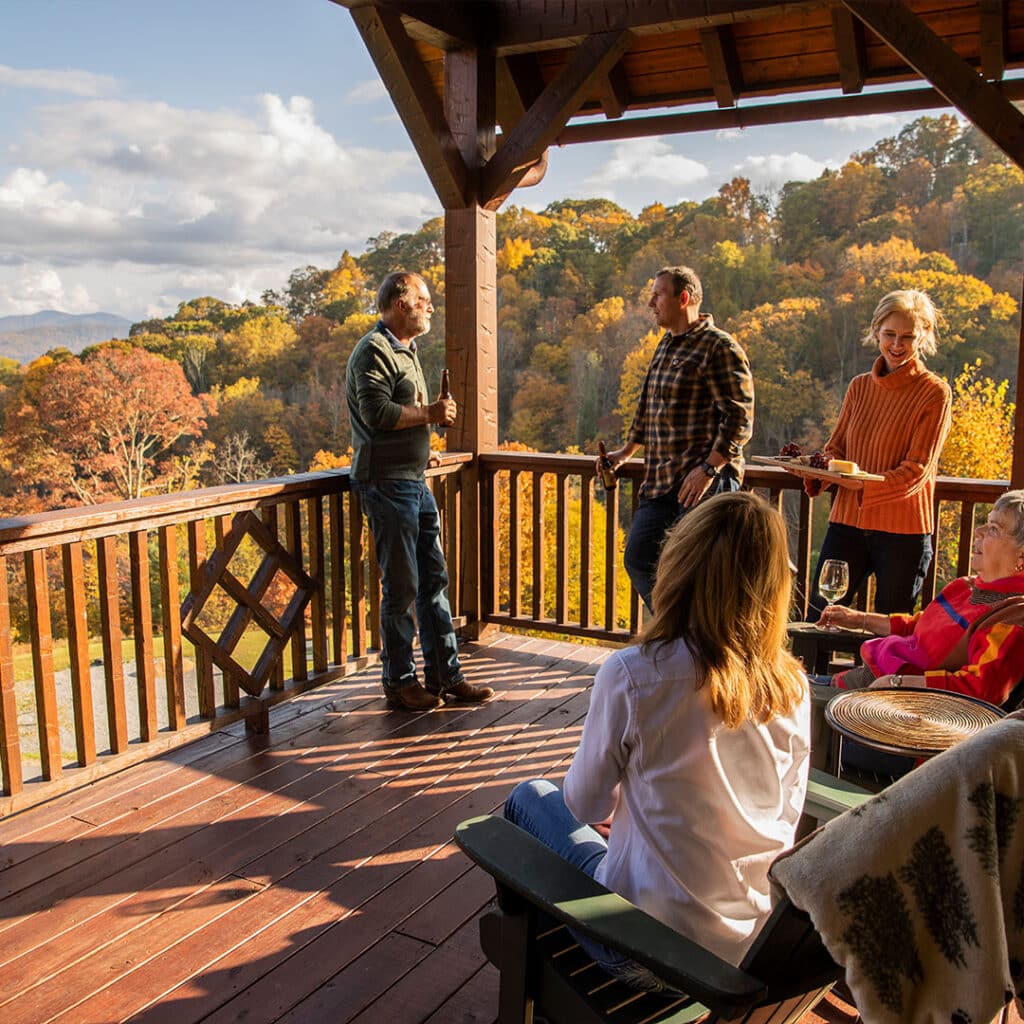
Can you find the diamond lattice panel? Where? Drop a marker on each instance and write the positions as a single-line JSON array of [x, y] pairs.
[[278, 563]]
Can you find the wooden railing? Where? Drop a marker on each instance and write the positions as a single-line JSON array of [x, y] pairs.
[[555, 532], [116, 575]]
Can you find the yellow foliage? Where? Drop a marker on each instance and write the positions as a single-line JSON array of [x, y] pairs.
[[345, 281], [328, 460], [634, 370], [244, 387], [258, 339], [980, 442], [513, 253]]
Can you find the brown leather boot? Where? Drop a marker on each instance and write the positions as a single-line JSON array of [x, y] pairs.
[[468, 693], [412, 698]]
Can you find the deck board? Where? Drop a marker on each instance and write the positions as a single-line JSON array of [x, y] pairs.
[[305, 875]]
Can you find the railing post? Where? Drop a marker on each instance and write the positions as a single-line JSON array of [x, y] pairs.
[[10, 745]]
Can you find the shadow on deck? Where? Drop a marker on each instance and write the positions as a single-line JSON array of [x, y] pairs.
[[303, 876]]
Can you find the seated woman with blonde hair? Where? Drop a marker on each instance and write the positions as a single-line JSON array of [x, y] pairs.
[[694, 755]]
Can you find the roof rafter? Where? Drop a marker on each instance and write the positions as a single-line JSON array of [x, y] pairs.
[[614, 89], [993, 38], [549, 114], [401, 69], [980, 101], [719, 48], [848, 33]]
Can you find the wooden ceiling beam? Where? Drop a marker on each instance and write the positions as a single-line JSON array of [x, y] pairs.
[[614, 88], [542, 24], [848, 33], [992, 36], [549, 114], [978, 100], [719, 48], [401, 69], [447, 26], [452, 23], [766, 114]]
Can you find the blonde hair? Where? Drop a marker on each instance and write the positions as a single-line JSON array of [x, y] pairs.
[[723, 585], [919, 307]]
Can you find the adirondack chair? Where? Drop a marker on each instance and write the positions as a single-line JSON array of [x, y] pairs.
[[543, 969]]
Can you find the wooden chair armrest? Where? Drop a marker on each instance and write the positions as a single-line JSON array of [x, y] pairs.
[[525, 865], [828, 797]]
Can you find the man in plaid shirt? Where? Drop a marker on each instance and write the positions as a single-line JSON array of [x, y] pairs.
[[695, 414]]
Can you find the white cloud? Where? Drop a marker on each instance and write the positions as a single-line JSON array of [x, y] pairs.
[[75, 83], [728, 134], [34, 288], [876, 123], [153, 183], [651, 159], [772, 170], [368, 91]]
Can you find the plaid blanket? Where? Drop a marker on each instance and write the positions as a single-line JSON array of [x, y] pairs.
[[919, 893]]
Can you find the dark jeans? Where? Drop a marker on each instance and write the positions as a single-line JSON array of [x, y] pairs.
[[899, 561], [406, 529], [651, 521]]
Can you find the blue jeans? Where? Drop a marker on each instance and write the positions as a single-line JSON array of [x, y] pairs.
[[406, 529], [538, 807], [651, 521], [899, 561]]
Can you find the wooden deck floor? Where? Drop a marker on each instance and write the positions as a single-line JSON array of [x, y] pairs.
[[303, 876]]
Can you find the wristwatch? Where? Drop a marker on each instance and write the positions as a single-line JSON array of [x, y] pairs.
[[709, 470]]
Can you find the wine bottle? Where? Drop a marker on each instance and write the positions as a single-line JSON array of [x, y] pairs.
[[607, 469]]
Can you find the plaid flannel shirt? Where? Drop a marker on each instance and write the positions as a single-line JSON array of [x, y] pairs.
[[698, 397]]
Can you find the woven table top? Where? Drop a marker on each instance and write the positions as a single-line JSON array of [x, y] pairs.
[[912, 721]]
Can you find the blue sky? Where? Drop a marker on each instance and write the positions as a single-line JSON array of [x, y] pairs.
[[153, 152]]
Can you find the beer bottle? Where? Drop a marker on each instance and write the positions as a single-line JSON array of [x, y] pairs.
[[446, 392], [607, 470]]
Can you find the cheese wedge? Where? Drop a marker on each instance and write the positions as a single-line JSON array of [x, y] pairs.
[[842, 466]]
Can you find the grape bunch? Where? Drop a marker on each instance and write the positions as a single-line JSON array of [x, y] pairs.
[[818, 460], [790, 451]]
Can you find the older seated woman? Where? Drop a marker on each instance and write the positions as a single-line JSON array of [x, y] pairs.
[[970, 639]]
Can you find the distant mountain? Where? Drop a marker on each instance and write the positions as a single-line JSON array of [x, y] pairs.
[[26, 337]]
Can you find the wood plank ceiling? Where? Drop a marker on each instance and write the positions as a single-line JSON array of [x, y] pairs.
[[570, 71]]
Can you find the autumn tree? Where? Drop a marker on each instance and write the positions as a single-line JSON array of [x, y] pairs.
[[115, 425], [979, 446], [791, 404], [980, 441]]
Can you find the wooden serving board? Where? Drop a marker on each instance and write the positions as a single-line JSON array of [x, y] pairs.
[[803, 469]]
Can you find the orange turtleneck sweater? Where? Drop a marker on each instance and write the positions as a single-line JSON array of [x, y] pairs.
[[893, 424]]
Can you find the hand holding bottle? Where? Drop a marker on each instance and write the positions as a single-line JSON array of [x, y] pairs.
[[605, 468]]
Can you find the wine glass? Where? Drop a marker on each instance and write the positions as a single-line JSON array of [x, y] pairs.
[[834, 583]]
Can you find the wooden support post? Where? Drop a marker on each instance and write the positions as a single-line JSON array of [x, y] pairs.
[[471, 311]]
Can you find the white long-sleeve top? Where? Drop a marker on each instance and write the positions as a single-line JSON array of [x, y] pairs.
[[700, 810]]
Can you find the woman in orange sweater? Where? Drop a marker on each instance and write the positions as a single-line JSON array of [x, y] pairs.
[[894, 421]]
